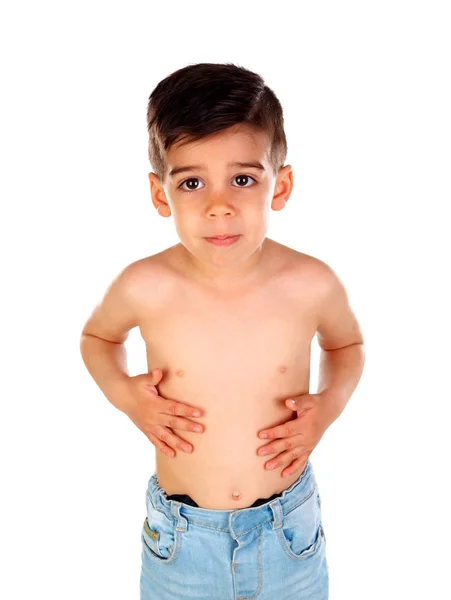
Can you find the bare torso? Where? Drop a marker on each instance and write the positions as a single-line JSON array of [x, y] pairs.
[[237, 357]]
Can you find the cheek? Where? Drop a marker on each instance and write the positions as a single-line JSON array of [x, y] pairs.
[[188, 225]]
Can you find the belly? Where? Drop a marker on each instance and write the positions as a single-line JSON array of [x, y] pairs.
[[237, 366], [224, 471]]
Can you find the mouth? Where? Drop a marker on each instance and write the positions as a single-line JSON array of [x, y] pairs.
[[221, 237], [223, 240]]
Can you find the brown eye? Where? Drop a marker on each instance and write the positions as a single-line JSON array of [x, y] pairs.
[[191, 179], [247, 177], [186, 181]]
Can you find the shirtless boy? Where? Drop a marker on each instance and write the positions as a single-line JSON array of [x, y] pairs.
[[228, 328]]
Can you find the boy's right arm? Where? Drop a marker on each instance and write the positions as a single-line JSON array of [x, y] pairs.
[[102, 347], [104, 333]]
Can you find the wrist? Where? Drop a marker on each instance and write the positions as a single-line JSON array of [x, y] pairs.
[[331, 403], [116, 391]]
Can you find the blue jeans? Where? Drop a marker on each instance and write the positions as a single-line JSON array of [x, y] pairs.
[[273, 551]]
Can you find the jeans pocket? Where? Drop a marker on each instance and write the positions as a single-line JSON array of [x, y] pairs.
[[159, 536], [301, 533]]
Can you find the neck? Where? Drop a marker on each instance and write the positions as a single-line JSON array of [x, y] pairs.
[[226, 278]]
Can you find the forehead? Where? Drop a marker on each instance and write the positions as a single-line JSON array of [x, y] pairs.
[[237, 143]]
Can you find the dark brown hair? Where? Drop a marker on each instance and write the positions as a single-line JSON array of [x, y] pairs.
[[201, 99]]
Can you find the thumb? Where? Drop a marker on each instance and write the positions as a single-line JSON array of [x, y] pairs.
[[303, 402], [291, 403], [154, 377]]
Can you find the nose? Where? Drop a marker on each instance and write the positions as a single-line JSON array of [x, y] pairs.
[[219, 206], [219, 211]]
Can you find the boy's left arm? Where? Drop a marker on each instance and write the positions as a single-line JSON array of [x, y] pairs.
[[341, 364], [342, 351]]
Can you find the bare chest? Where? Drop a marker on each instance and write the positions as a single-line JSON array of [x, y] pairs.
[[247, 348], [237, 358]]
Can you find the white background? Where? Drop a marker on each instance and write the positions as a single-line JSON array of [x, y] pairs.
[[365, 88]]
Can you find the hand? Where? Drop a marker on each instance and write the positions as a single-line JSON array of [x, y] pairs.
[[296, 439], [157, 416]]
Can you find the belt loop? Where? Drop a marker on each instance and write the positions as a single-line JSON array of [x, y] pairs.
[[181, 520], [277, 511]]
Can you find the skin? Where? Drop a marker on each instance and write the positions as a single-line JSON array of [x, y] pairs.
[[237, 357], [220, 205], [240, 285], [230, 327]]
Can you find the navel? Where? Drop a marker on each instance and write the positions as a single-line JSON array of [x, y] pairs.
[[282, 369], [236, 495]]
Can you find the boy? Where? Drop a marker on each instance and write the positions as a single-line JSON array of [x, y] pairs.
[[229, 325]]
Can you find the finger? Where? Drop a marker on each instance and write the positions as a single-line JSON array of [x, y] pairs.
[[160, 445], [285, 458], [182, 424], [287, 429], [173, 407], [296, 465], [168, 438], [265, 450], [294, 442]]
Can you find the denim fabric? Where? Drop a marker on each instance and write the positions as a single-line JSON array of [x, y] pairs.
[[276, 550]]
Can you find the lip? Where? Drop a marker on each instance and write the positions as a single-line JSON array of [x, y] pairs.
[[222, 236], [226, 240]]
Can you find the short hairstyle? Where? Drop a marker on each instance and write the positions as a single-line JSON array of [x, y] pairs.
[[201, 99]]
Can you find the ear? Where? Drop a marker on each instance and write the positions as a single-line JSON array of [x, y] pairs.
[[158, 196], [282, 188]]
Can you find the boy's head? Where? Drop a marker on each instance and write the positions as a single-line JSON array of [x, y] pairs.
[[209, 116]]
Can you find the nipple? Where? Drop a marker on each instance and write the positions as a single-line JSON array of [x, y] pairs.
[[236, 495]]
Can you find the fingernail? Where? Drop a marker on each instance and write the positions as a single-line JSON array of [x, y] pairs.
[[263, 435], [196, 413]]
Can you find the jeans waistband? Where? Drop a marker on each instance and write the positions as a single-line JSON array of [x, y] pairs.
[[235, 521]]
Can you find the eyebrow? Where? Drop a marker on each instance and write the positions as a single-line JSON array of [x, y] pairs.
[[183, 168]]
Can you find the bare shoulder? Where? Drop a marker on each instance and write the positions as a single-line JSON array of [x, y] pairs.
[[321, 274], [302, 266], [317, 284], [323, 281], [150, 279], [337, 325], [134, 292]]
